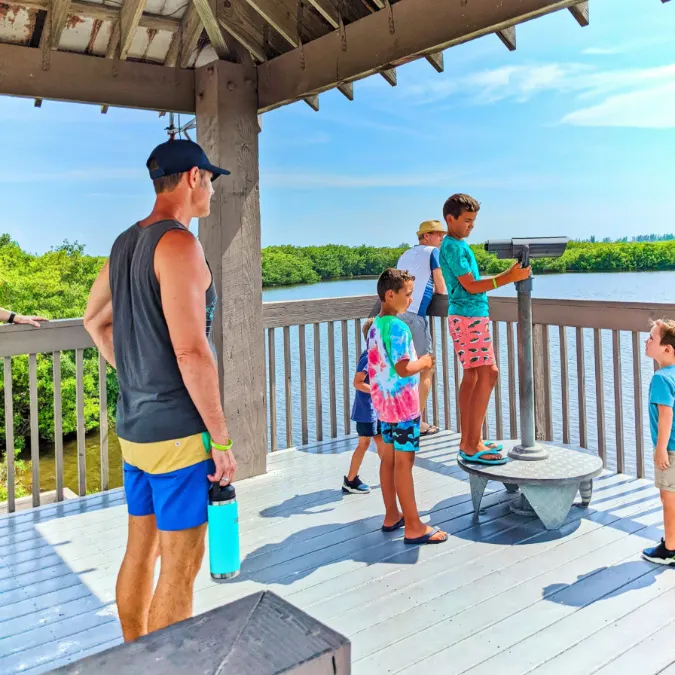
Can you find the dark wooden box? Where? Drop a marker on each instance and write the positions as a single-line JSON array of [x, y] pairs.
[[260, 634]]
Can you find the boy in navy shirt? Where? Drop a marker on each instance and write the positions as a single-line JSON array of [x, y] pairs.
[[367, 426], [660, 346]]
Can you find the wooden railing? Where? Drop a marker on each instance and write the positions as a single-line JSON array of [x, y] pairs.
[[583, 394]]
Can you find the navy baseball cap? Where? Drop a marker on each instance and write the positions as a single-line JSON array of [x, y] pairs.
[[179, 156]]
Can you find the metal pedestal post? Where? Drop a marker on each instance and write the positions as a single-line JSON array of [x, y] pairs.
[[527, 449]]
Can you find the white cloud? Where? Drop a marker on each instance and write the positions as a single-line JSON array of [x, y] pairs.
[[602, 51], [310, 181], [650, 108], [634, 97], [84, 175]]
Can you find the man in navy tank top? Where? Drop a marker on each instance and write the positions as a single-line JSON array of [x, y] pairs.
[[150, 313]]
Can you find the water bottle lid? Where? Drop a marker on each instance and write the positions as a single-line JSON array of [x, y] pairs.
[[222, 493]]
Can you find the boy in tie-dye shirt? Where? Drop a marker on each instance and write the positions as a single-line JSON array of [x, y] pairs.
[[393, 369]]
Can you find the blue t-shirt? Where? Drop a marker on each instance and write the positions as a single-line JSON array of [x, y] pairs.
[[457, 259], [662, 392], [363, 410]]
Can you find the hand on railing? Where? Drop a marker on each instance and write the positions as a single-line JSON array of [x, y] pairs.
[[28, 320]]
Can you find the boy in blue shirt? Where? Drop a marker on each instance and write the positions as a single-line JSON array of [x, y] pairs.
[[469, 325], [367, 425], [660, 346]]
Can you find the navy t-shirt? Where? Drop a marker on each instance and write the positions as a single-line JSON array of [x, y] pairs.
[[362, 410]]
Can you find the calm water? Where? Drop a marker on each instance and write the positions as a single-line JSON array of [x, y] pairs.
[[642, 287]]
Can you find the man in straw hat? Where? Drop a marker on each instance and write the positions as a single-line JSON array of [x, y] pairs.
[[423, 263]]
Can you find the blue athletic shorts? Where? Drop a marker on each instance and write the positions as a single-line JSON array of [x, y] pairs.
[[156, 481], [368, 429], [404, 436]]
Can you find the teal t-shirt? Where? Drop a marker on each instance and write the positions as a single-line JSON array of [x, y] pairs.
[[457, 259], [662, 392]]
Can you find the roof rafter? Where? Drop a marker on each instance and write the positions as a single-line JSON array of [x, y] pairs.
[[277, 17], [327, 11], [207, 13], [185, 40], [508, 37], [580, 13], [245, 26], [125, 29], [436, 60], [390, 75], [408, 29]]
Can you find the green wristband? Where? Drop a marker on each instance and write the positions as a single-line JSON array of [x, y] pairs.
[[494, 282], [224, 448]]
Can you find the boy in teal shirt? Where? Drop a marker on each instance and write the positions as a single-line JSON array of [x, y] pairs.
[[469, 325], [660, 346]]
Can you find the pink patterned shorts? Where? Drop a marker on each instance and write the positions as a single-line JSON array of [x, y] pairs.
[[471, 340]]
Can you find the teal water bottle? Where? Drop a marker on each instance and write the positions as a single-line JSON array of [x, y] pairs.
[[223, 518]]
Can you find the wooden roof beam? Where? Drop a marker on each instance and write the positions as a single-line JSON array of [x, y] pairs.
[[207, 13], [508, 37], [312, 102], [580, 13], [279, 18], [185, 40], [125, 29], [244, 25], [390, 75], [346, 89], [327, 11], [408, 29], [436, 60], [57, 14], [79, 78]]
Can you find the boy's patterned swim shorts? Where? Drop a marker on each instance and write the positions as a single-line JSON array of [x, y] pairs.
[[471, 340]]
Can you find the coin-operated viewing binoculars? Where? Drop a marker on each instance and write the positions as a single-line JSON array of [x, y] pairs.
[[524, 249]]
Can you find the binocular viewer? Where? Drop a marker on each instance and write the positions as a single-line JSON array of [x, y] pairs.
[[524, 248]]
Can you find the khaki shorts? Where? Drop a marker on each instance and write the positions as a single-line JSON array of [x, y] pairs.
[[665, 480]]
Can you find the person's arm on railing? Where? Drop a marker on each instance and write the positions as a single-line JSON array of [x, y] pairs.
[[12, 317], [98, 315], [184, 278], [484, 284]]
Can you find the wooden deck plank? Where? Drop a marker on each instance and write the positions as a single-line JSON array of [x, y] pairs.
[[406, 638], [651, 600], [405, 609], [489, 626]]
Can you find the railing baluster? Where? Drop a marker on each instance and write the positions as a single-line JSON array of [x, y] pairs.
[[331, 378], [581, 388], [58, 425], [288, 386], [446, 383], [564, 385], [317, 382], [79, 405], [618, 400], [358, 338], [513, 417], [103, 418], [486, 426], [434, 381], [548, 398], [499, 419], [346, 408], [272, 377], [637, 395], [9, 434], [600, 395], [34, 428], [303, 382]]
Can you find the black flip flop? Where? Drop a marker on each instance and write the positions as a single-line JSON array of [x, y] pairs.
[[426, 538], [394, 527], [429, 431]]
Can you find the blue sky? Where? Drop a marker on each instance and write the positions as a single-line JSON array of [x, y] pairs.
[[574, 133]]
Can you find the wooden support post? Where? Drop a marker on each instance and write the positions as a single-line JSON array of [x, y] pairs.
[[227, 129]]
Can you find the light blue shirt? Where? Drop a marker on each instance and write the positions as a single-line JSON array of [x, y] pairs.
[[662, 392], [457, 259]]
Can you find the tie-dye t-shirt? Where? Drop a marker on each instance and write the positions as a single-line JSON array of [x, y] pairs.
[[396, 399]]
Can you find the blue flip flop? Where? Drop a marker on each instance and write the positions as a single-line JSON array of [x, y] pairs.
[[426, 538], [478, 457], [394, 527], [493, 445]]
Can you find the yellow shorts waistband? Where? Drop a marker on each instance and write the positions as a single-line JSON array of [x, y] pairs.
[[166, 456]]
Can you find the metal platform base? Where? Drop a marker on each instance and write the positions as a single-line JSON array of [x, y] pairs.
[[548, 487]]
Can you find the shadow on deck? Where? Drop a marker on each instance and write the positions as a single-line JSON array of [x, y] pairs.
[[503, 593]]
